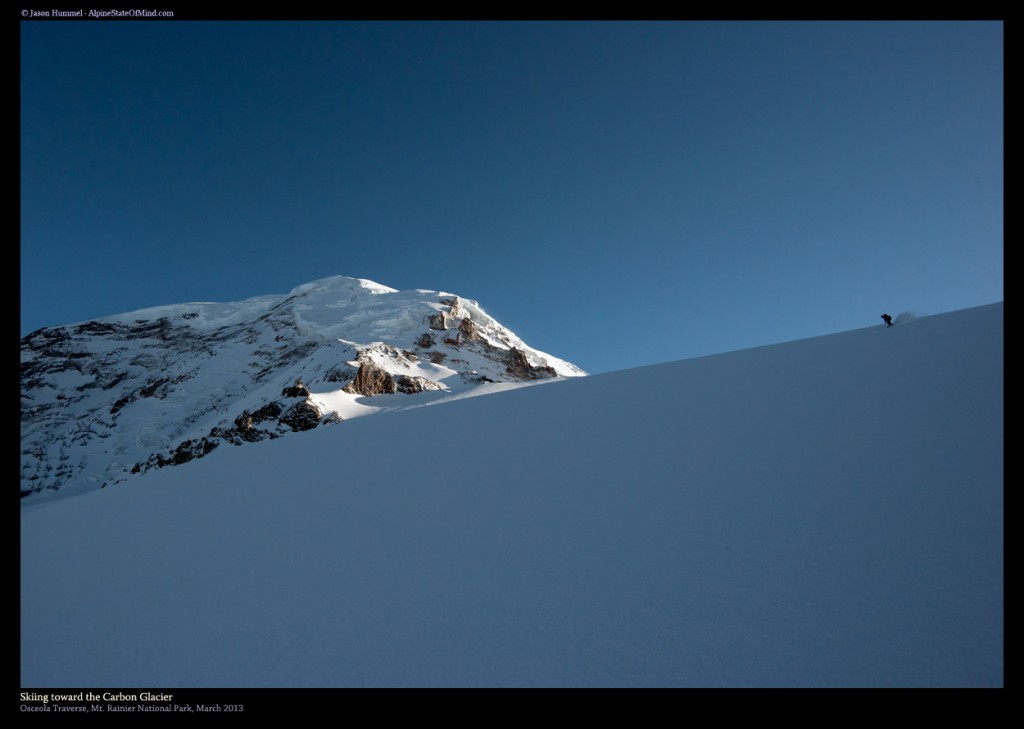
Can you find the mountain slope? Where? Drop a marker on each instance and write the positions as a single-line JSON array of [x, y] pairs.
[[107, 398], [826, 512]]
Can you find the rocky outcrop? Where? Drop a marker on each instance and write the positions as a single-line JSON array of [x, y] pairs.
[[520, 368], [467, 330], [156, 387], [167, 385], [371, 380], [302, 416], [245, 424], [299, 389], [187, 450], [438, 321], [518, 365], [409, 384]]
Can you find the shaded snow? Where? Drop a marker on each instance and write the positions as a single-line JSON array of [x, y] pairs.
[[825, 512]]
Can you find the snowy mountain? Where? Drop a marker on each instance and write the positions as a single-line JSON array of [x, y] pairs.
[[826, 512], [107, 398]]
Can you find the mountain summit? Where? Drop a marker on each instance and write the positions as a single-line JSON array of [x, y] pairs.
[[109, 397]]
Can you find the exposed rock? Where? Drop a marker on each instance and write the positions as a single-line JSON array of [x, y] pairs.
[[518, 365], [343, 373], [187, 450], [107, 384], [299, 389], [153, 388], [244, 431], [371, 380], [402, 356], [302, 416], [121, 402], [245, 422], [438, 321], [79, 383], [409, 384], [520, 368], [95, 327], [467, 330]]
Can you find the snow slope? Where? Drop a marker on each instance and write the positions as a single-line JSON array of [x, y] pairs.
[[105, 399], [826, 512]]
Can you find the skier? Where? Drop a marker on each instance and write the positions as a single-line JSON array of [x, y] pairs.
[[888, 320]]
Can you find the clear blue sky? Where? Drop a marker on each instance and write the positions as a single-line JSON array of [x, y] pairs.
[[618, 193]]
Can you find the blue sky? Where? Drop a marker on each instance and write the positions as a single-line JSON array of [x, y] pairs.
[[618, 193]]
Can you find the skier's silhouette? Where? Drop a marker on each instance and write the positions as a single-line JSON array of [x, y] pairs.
[[888, 320]]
